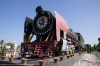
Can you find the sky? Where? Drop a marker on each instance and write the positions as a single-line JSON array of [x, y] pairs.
[[82, 16]]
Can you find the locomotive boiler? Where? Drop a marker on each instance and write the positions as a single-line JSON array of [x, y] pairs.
[[53, 35]]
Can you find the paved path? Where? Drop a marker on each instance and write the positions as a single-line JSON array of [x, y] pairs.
[[50, 62], [65, 62], [71, 61]]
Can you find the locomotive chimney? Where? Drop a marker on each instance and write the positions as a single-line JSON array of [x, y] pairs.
[[39, 9]]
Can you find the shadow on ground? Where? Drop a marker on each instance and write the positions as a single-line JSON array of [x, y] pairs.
[[6, 63]]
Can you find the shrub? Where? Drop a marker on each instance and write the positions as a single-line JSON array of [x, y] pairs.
[[4, 51]]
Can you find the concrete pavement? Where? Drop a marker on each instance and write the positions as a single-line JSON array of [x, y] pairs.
[[50, 62], [65, 62]]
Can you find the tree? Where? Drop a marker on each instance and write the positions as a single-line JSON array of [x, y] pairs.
[[88, 48], [10, 44], [98, 47], [94, 47]]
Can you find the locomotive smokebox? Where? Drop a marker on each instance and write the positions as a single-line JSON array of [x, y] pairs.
[[39, 9]]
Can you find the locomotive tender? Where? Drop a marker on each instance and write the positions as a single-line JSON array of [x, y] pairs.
[[53, 36]]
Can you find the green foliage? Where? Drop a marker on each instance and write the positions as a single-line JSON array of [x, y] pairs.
[[94, 47], [2, 44], [98, 47], [89, 48], [10, 44], [4, 51]]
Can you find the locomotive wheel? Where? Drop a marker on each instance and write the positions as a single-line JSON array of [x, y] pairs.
[[58, 47], [43, 22]]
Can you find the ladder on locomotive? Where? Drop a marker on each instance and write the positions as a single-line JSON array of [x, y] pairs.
[[38, 50]]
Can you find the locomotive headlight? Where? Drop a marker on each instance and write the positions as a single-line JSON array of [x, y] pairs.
[[39, 9]]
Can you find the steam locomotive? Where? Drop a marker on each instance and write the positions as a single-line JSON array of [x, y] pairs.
[[53, 35]]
